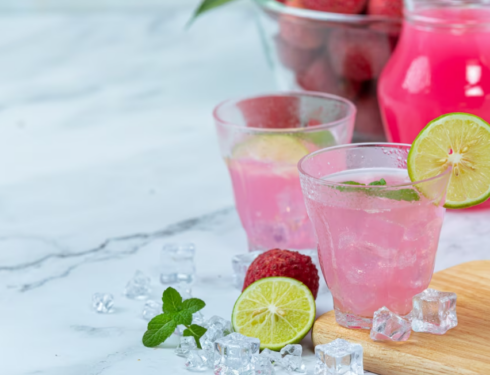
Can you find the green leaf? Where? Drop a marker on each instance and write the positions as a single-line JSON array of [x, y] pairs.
[[352, 183], [408, 195], [172, 300], [159, 329], [195, 331], [193, 305], [381, 182], [183, 317], [207, 5]]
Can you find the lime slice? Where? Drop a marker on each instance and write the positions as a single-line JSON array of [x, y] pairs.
[[320, 139], [276, 310], [274, 148], [461, 140]]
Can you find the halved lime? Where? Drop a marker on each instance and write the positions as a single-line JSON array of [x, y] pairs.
[[277, 310], [463, 141], [271, 147]]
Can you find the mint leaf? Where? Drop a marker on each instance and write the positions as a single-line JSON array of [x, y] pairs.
[[207, 5], [193, 305], [172, 300], [195, 331], [159, 329], [381, 182], [408, 195], [351, 183], [183, 317]]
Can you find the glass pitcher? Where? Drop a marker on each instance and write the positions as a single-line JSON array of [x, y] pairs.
[[441, 65]]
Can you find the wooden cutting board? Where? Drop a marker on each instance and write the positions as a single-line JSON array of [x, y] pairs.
[[464, 350]]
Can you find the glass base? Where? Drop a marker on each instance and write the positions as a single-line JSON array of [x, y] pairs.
[[352, 321]]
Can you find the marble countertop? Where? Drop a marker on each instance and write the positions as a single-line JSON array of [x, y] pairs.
[[108, 151]]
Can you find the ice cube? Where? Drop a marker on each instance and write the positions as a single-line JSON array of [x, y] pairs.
[[186, 344], [177, 263], [274, 358], [434, 312], [102, 302], [263, 366], [234, 354], [291, 359], [151, 309], [138, 287], [295, 350], [212, 334], [240, 264], [339, 357], [220, 323], [388, 326], [196, 361]]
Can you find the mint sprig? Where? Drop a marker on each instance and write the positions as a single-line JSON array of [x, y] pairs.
[[408, 195], [175, 312]]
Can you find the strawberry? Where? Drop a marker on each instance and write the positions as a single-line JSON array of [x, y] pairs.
[[271, 112], [358, 54], [299, 33], [336, 6], [320, 77], [390, 8], [292, 57]]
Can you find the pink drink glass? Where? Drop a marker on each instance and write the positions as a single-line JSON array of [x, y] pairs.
[[262, 139], [376, 244]]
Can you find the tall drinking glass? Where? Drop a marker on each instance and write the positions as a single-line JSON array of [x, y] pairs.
[[262, 139], [377, 231]]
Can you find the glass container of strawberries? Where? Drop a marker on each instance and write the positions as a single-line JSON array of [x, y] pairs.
[[334, 46]]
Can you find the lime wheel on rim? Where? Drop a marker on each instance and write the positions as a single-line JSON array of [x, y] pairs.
[[459, 140]]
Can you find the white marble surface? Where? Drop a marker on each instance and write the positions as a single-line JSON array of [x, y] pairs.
[[107, 150]]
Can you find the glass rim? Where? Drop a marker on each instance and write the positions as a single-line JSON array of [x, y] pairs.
[[280, 8], [414, 7], [352, 110], [360, 145]]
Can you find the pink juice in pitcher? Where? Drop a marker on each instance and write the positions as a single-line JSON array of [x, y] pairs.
[[441, 65]]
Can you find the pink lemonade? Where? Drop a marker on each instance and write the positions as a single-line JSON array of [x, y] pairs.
[[270, 204], [441, 65], [262, 139], [374, 250]]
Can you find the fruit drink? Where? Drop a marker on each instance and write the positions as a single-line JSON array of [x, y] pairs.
[[376, 255], [377, 231], [441, 65], [262, 139], [268, 193]]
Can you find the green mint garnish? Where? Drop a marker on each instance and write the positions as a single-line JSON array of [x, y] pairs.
[[408, 195], [381, 182], [175, 312]]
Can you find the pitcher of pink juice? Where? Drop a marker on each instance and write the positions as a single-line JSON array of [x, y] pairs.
[[441, 65]]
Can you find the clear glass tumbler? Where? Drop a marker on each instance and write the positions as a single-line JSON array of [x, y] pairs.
[[262, 139], [377, 231]]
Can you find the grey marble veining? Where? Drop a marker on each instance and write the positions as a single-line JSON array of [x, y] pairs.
[[108, 151]]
